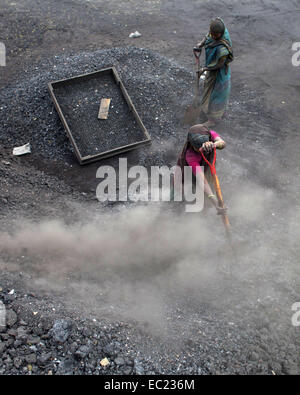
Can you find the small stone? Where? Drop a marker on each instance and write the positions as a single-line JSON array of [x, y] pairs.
[[11, 318], [21, 333], [109, 350], [18, 343], [8, 360], [254, 356], [66, 367], [60, 330], [86, 332], [2, 347], [138, 367], [129, 362], [290, 368], [12, 332], [44, 358], [31, 358], [119, 361], [33, 340], [73, 347], [18, 362], [82, 352]]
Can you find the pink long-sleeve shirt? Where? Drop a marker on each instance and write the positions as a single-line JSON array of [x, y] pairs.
[[194, 159]]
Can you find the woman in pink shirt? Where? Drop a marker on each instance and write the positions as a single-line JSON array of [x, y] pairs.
[[200, 136]]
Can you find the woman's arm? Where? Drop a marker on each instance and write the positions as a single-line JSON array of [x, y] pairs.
[[219, 143], [202, 43]]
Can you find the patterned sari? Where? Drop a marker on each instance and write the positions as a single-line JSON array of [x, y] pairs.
[[217, 84]]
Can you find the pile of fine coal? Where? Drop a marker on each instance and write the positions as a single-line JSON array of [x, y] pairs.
[[158, 87]]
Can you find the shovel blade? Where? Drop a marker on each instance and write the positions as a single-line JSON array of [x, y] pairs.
[[191, 115]]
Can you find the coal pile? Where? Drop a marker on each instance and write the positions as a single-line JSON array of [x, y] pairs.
[[158, 88], [43, 337], [43, 341]]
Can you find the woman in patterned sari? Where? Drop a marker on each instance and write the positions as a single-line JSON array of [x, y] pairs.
[[217, 85]]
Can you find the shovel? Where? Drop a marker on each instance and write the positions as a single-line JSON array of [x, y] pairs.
[[225, 220], [221, 202], [196, 98], [192, 112]]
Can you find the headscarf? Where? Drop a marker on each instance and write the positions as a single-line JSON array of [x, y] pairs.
[[197, 140], [217, 26]]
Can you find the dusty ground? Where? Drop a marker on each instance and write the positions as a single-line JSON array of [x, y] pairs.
[[132, 305]]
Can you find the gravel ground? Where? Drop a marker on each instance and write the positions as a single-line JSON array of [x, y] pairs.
[[82, 281]]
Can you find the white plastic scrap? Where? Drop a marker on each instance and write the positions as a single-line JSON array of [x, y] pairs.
[[104, 362], [203, 76], [135, 34], [24, 149]]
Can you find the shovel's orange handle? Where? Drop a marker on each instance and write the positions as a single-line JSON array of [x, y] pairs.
[[217, 188], [221, 201]]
